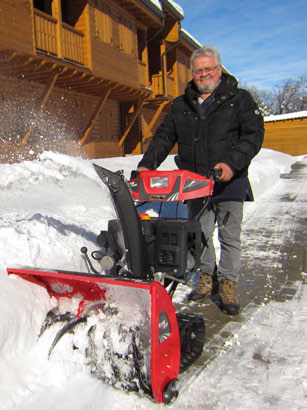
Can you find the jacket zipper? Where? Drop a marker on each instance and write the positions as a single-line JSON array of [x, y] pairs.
[[195, 143]]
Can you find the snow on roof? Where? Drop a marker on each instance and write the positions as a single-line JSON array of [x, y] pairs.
[[156, 3], [282, 117], [176, 7], [191, 37]]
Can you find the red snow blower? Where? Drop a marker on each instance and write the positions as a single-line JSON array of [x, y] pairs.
[[121, 318]]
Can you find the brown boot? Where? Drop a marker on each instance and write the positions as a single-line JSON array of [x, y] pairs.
[[203, 288], [229, 301]]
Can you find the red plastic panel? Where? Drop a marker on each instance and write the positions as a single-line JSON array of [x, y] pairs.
[[65, 284], [165, 341], [177, 185]]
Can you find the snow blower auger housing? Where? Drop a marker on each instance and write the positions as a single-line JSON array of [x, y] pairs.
[[139, 258]]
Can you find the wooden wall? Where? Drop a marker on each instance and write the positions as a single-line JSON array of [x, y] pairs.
[[289, 136], [59, 127], [110, 52], [114, 56], [106, 132], [14, 35], [82, 24], [184, 74], [146, 118], [147, 115], [102, 149]]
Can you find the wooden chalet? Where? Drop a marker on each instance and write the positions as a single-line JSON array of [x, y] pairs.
[[286, 133], [91, 78]]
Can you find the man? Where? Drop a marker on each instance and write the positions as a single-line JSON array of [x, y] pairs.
[[217, 126]]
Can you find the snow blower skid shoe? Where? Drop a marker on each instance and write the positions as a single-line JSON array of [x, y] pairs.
[[119, 320]]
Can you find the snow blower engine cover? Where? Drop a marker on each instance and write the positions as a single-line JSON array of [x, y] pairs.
[[177, 185]]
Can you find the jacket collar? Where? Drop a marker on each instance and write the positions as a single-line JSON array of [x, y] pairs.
[[226, 89]]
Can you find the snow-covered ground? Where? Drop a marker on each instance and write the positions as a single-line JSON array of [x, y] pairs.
[[49, 209]]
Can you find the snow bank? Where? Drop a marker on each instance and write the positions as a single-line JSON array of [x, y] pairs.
[[266, 168], [49, 209]]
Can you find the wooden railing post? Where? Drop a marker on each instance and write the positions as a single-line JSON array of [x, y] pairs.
[[134, 117], [57, 13], [152, 123], [163, 67], [146, 62], [97, 110]]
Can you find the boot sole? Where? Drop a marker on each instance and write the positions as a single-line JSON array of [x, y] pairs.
[[230, 310], [199, 300]]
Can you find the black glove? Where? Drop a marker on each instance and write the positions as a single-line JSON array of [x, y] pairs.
[[215, 174], [134, 174]]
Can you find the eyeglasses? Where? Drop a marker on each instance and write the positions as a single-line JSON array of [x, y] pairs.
[[199, 71]]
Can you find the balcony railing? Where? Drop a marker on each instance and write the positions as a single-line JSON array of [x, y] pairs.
[[142, 73], [170, 87], [157, 85], [46, 38], [45, 32], [72, 44]]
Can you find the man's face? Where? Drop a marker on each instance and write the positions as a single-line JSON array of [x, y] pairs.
[[206, 74]]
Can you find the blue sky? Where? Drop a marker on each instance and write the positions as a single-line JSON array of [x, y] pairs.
[[261, 42]]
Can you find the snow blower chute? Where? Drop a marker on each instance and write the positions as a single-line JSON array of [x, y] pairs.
[[121, 319]]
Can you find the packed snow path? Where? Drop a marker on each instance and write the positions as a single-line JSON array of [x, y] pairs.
[[273, 251]]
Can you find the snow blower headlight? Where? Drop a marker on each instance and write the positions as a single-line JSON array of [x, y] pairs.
[[159, 182]]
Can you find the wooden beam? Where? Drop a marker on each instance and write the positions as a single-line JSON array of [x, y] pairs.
[[44, 99], [18, 63], [134, 117], [164, 67], [151, 125], [7, 55], [97, 110], [41, 74]]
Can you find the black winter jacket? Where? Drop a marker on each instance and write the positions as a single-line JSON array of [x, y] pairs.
[[231, 131]]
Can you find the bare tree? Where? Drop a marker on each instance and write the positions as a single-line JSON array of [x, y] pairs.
[[262, 98], [286, 97]]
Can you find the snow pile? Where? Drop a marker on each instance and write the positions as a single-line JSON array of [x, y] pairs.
[[263, 178], [283, 117], [52, 207]]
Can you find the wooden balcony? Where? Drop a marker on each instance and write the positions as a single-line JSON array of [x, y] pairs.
[[45, 32], [72, 44], [63, 42], [157, 85], [142, 67]]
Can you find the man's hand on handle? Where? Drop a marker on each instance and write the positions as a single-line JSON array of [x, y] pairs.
[[135, 173], [227, 172]]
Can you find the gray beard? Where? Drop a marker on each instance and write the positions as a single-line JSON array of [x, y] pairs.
[[207, 89]]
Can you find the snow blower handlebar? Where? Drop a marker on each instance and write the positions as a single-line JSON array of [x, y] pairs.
[[214, 174]]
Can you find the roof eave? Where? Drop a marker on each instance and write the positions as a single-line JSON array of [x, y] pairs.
[[154, 8], [172, 9]]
